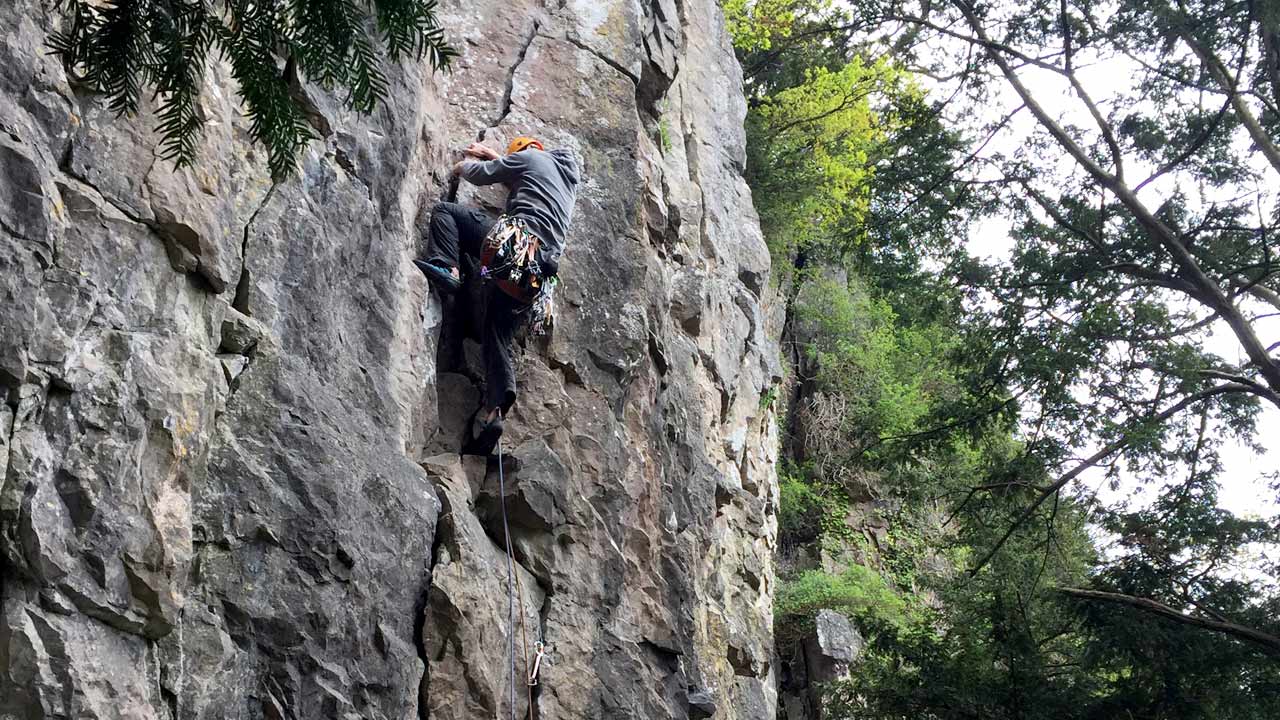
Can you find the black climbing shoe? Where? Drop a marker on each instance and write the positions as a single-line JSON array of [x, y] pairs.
[[486, 440], [441, 277]]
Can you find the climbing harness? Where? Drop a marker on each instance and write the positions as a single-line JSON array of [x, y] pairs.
[[508, 258]]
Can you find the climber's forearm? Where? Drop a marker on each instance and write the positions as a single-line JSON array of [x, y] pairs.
[[502, 169], [479, 151]]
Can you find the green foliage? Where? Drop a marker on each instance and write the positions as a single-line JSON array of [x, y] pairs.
[[664, 134], [859, 592], [999, 645], [769, 397], [965, 387], [801, 510], [889, 374], [811, 153], [121, 47], [811, 510], [757, 24]]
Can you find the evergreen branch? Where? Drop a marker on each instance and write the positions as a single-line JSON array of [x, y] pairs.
[[1269, 643], [1112, 448], [119, 48]]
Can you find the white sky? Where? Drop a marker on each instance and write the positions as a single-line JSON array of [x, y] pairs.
[[1244, 491]]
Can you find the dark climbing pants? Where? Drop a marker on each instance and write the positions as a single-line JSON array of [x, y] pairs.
[[457, 229]]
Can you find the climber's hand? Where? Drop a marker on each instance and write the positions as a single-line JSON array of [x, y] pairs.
[[457, 168], [476, 150]]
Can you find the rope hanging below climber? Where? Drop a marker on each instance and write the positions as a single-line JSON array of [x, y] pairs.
[[514, 592], [519, 258]]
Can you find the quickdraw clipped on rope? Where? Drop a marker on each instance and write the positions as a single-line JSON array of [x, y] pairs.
[[542, 313], [514, 591], [541, 649]]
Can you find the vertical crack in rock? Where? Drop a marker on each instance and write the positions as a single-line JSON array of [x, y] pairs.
[[241, 300], [663, 42], [8, 422], [420, 611], [544, 614], [695, 175], [505, 108]]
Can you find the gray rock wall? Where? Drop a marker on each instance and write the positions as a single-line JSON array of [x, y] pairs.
[[229, 485]]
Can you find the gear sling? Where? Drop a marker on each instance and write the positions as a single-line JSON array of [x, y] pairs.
[[508, 258]]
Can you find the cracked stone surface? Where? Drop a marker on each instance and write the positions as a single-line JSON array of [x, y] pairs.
[[230, 410]]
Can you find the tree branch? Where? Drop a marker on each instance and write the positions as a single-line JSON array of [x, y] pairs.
[[1165, 336], [1208, 291], [1271, 51], [1101, 455], [1191, 149], [1269, 643], [1117, 157], [1218, 70], [1255, 387], [1265, 294]]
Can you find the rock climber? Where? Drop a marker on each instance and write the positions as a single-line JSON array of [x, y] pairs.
[[519, 253]]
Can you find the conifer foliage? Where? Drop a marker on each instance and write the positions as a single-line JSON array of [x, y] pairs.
[[123, 48]]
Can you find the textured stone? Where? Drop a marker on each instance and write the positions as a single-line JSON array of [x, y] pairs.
[[824, 656], [467, 610], [218, 396], [834, 644]]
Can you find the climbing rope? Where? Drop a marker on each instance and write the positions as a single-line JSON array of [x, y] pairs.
[[512, 595]]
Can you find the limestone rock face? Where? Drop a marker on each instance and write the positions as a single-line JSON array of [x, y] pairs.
[[230, 409]]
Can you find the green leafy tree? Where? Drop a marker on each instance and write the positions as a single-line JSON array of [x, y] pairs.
[[811, 154], [1158, 228], [759, 24], [1143, 219], [124, 48]]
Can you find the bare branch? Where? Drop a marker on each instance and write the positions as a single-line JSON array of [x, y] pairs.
[[1256, 387]]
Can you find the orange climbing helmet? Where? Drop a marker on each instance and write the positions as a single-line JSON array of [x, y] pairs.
[[521, 143]]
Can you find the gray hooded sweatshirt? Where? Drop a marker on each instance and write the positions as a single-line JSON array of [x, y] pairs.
[[542, 187]]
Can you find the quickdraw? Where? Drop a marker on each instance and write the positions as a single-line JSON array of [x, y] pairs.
[[541, 649], [509, 259]]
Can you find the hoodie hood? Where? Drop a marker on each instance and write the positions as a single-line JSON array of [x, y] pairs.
[[567, 164]]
